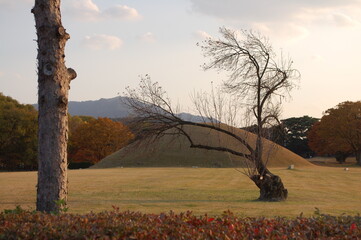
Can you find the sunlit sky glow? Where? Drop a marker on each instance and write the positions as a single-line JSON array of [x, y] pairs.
[[114, 41]]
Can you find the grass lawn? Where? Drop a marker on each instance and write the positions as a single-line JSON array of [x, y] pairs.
[[331, 162], [201, 190]]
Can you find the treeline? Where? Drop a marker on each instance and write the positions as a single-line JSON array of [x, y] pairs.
[[18, 135], [90, 139], [291, 133], [337, 133]]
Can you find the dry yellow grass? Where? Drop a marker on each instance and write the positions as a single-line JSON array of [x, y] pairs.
[[169, 152], [331, 162], [201, 190]]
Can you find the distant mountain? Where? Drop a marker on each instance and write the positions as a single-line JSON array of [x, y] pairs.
[[193, 118], [111, 108]]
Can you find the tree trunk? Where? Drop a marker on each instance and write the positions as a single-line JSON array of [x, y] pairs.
[[341, 157], [271, 187], [358, 157], [53, 86]]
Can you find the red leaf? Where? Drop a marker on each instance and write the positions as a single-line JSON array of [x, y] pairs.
[[353, 226], [210, 219]]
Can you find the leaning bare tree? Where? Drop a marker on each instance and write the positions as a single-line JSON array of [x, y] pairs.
[[53, 86], [256, 79]]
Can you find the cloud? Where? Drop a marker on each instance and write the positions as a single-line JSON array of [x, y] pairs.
[[239, 9], [291, 31], [201, 34], [280, 15], [12, 1], [87, 10], [102, 41], [11, 4], [343, 20], [264, 10], [83, 9], [317, 58], [147, 37], [122, 12]]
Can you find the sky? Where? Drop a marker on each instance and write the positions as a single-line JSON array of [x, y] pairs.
[[113, 42]]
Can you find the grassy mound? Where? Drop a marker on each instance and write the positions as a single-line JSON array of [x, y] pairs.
[[170, 151]]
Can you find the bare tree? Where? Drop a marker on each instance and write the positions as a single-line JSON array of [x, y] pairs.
[[53, 86], [255, 76], [256, 81]]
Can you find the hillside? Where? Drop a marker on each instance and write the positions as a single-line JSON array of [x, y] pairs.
[[175, 152]]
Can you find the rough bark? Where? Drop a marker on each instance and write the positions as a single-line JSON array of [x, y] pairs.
[[271, 187], [53, 86]]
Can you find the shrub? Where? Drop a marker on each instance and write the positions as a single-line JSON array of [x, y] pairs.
[[135, 225]]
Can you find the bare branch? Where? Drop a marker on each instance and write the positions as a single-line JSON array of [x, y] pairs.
[[256, 82]]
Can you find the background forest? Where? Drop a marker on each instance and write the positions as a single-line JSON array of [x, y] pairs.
[[93, 138]]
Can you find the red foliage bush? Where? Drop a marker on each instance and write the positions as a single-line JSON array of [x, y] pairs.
[[135, 225]]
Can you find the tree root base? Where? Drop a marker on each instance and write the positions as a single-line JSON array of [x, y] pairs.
[[271, 188]]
